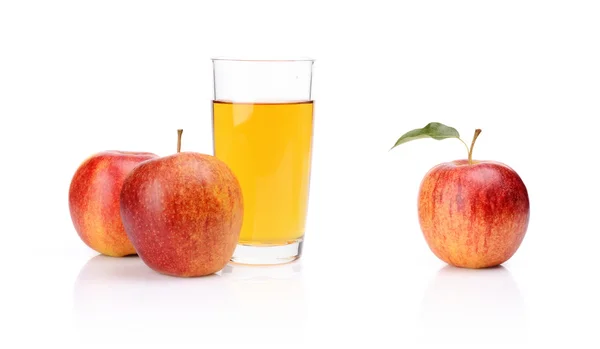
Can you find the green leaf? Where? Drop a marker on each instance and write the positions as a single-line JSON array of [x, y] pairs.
[[433, 130]]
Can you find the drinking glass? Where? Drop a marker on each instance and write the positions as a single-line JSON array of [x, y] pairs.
[[263, 129]]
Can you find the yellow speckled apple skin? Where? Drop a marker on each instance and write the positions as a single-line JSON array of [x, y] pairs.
[[183, 213], [94, 200], [473, 216]]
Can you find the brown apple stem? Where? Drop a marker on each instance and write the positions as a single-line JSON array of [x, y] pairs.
[[477, 132], [179, 132]]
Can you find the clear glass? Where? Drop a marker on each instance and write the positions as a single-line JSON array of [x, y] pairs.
[[263, 129]]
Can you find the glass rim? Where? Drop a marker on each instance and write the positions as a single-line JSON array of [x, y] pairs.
[[262, 60]]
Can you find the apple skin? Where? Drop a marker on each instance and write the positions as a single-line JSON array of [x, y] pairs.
[[94, 200], [473, 216], [183, 213]]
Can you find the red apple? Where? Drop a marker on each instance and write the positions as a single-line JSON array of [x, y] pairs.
[[183, 213], [94, 200], [473, 214]]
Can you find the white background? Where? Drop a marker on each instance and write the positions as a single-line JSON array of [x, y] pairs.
[[78, 77]]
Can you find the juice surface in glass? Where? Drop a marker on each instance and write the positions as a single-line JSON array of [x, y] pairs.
[[268, 146]]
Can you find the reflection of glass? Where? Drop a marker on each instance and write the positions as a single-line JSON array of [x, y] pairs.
[[267, 297], [469, 305], [262, 128]]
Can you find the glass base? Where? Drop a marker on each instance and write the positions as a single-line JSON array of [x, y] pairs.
[[267, 255]]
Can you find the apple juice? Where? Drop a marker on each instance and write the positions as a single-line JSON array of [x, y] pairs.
[[268, 146]]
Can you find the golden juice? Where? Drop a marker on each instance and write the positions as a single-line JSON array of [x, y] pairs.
[[268, 147]]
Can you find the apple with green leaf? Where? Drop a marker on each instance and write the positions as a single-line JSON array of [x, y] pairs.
[[473, 213]]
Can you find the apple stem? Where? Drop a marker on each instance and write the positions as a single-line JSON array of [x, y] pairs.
[[179, 132], [477, 132]]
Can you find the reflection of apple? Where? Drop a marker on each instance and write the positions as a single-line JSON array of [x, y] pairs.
[[94, 200], [466, 307], [124, 299], [183, 213], [473, 215]]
